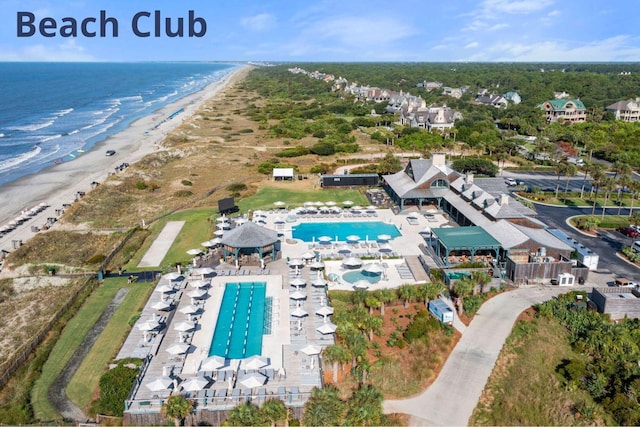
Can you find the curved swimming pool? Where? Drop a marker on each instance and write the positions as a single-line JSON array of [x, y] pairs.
[[354, 276]]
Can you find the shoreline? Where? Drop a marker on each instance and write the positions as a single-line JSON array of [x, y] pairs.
[[59, 184]]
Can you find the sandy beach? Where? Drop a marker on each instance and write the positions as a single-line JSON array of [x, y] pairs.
[[59, 184]]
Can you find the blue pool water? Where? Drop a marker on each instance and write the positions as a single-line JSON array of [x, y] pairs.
[[308, 230], [354, 276], [240, 323]]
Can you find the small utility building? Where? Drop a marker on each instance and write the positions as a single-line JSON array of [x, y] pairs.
[[283, 174], [351, 180]]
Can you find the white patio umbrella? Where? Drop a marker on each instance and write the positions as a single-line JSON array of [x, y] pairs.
[[194, 252], [222, 219], [199, 284], [278, 220], [219, 233], [194, 383], [279, 204], [253, 380], [148, 325], [189, 309], [325, 239], [178, 348], [385, 248], [330, 203], [362, 284], [240, 221], [161, 305], [197, 293], [308, 255], [344, 249], [202, 271], [296, 262], [384, 237], [184, 326], [173, 276], [297, 282], [319, 282], [327, 328], [325, 311], [212, 363], [297, 295], [347, 203], [373, 268], [160, 383], [165, 289], [299, 312], [255, 362], [208, 244], [352, 262], [353, 238], [317, 265], [311, 349]]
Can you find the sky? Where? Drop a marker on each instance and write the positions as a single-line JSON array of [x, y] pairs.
[[330, 30]]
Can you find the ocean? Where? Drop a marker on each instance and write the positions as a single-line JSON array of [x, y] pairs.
[[54, 112]]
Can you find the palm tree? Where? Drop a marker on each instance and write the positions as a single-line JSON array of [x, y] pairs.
[[429, 291], [481, 278], [337, 355], [597, 177], [244, 414], [569, 171], [364, 408], [609, 184], [634, 186], [274, 411], [407, 293], [372, 302], [177, 407], [373, 324], [559, 169], [324, 408], [385, 296], [462, 288]]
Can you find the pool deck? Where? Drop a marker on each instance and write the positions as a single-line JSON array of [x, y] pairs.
[[292, 373]]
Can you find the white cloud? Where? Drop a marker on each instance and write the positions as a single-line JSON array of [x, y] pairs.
[[472, 45], [67, 51], [492, 7], [361, 31], [555, 12], [261, 22]]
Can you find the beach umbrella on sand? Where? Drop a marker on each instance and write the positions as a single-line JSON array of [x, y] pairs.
[[160, 383], [178, 348], [297, 295], [374, 268], [299, 312], [185, 326], [324, 311], [327, 328], [194, 383], [254, 362], [253, 380], [311, 349], [161, 305], [212, 363]]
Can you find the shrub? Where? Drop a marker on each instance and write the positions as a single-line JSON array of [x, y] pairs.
[[297, 151], [115, 386], [247, 130], [320, 168], [96, 259], [183, 193], [237, 187], [141, 185], [477, 166], [323, 149], [186, 183]]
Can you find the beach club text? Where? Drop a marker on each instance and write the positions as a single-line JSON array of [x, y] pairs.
[[143, 24]]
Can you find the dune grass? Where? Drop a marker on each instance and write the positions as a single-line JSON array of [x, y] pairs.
[[86, 380]]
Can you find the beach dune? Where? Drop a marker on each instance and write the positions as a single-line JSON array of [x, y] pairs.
[[59, 184]]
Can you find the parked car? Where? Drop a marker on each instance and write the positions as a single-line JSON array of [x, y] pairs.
[[629, 231], [110, 152], [511, 182], [625, 283]]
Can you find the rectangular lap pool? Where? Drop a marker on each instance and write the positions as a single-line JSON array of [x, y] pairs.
[[308, 231], [241, 321]]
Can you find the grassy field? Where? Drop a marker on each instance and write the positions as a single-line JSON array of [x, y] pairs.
[[524, 387], [85, 381], [69, 341], [296, 196]]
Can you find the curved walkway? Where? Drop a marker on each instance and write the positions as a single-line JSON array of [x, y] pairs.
[[451, 399]]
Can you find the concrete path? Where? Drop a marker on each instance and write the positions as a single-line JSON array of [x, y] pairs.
[[159, 248], [451, 399]]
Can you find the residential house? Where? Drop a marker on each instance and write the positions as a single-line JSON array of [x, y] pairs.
[[492, 100], [429, 86], [627, 111], [512, 97], [561, 95], [454, 92], [565, 110]]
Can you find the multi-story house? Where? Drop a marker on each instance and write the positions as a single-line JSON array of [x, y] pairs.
[[627, 111], [512, 97], [565, 110]]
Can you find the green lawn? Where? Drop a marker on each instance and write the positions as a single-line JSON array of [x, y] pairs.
[[267, 196], [69, 341], [86, 379]]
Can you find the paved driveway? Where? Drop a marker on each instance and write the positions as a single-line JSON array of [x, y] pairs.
[[451, 399]]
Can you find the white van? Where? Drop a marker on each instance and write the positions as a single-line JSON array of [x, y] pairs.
[[636, 246], [576, 161]]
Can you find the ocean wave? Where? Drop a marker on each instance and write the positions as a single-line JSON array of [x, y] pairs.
[[15, 161], [35, 126], [50, 138], [73, 132], [1, 135], [63, 112]]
